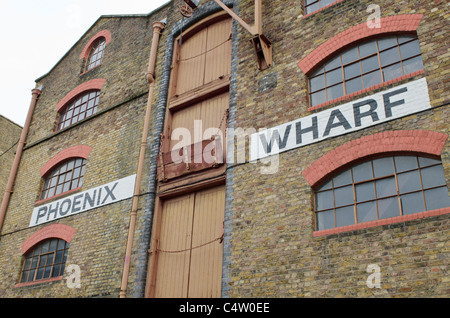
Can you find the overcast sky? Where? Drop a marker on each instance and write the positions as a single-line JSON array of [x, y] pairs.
[[35, 34]]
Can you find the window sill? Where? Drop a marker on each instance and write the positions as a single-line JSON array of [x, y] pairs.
[[397, 219], [37, 282], [321, 9], [57, 196], [95, 67], [349, 96]]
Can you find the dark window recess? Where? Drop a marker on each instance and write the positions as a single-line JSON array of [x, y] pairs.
[[381, 188], [66, 177], [95, 57], [365, 65], [46, 260], [81, 108]]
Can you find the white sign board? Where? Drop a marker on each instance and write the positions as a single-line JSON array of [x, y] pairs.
[[84, 201], [394, 103]]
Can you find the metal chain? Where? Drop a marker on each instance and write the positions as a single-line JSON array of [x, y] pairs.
[[207, 51], [220, 239]]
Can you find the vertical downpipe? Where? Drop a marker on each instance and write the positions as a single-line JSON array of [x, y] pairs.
[[35, 93], [157, 28]]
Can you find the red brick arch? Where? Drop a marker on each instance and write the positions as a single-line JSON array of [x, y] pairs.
[[392, 24], [60, 231], [80, 151], [401, 141], [87, 48], [95, 84]]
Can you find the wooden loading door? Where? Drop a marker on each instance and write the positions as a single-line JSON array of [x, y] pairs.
[[190, 247]]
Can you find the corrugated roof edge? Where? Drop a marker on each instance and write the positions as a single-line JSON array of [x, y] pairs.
[[103, 17]]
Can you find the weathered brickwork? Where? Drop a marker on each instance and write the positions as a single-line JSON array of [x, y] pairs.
[[272, 249], [270, 245], [113, 134], [10, 134]]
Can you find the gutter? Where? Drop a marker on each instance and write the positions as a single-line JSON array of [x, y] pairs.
[[157, 29], [35, 93]]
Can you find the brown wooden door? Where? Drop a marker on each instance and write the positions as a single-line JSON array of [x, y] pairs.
[[210, 112], [204, 57], [190, 246]]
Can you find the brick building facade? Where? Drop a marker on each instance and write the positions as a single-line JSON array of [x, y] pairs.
[[10, 133], [333, 182]]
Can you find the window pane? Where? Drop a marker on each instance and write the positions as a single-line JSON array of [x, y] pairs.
[[410, 49], [318, 98], [24, 277], [334, 77], [50, 259], [56, 270], [386, 187], [324, 3], [404, 163], [343, 196], [343, 178], [412, 203], [405, 38], [352, 70], [367, 48], [365, 192], [392, 72], [387, 42], [390, 56], [354, 85], [372, 79], [335, 91], [424, 162], [413, 65], [383, 167], [319, 70], [31, 275], [350, 55], [42, 261], [437, 198], [317, 83], [409, 181], [312, 8], [388, 208], [324, 200], [345, 216], [58, 257], [433, 177], [61, 244], [326, 186], [366, 212], [34, 262], [370, 64], [66, 187], [325, 220], [39, 273], [335, 62], [47, 271], [362, 172]]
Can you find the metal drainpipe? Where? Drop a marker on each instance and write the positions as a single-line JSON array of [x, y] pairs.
[[22, 141], [157, 28]]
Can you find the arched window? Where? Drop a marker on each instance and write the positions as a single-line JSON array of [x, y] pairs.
[[83, 106], [95, 56], [365, 65], [46, 260], [381, 188], [65, 177]]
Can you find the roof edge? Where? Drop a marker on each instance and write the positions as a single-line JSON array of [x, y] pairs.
[[105, 16]]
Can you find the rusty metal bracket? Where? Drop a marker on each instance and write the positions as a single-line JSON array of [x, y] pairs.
[[261, 44]]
